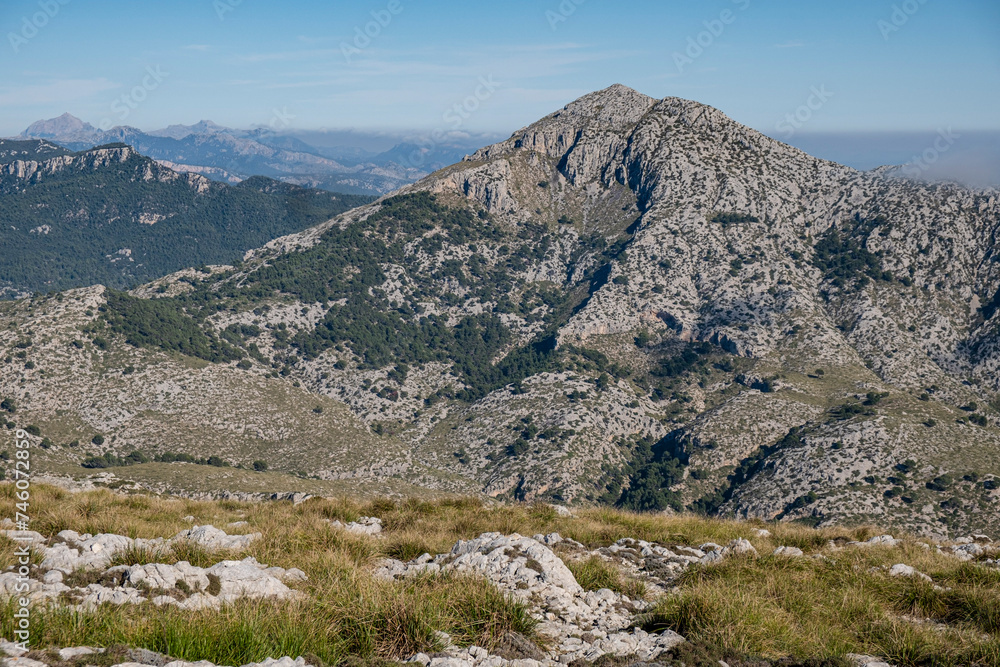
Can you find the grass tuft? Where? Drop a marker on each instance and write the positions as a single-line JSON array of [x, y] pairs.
[[596, 573]]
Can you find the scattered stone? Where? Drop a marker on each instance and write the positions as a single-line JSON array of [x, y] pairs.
[[71, 551], [902, 570], [866, 661], [789, 552], [23, 662], [70, 653], [515, 646], [214, 539], [11, 649], [366, 525], [741, 546], [712, 558], [562, 510], [296, 497], [878, 541]]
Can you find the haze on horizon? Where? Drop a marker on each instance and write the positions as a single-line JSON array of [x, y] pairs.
[[826, 77]]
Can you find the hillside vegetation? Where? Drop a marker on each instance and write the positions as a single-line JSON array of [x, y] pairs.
[[112, 216]]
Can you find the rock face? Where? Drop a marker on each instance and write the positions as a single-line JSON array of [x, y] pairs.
[[647, 302]]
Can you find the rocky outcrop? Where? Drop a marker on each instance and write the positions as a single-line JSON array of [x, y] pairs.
[[529, 570], [74, 569]]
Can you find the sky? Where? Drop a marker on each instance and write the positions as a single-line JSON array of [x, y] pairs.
[[785, 68]]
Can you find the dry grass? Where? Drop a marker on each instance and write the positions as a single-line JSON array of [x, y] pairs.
[[595, 573], [846, 603], [807, 608]]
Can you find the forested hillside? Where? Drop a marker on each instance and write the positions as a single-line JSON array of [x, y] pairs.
[[115, 217]]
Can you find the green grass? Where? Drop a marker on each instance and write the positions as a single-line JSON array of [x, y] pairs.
[[807, 608], [812, 608], [346, 615]]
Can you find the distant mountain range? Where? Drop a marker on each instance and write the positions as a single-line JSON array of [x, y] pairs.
[[110, 215], [230, 156]]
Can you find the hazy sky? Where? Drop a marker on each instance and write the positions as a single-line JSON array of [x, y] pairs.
[[863, 65]]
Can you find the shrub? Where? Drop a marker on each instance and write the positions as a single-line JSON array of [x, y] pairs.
[[98, 439], [941, 483], [518, 447], [260, 466], [732, 218], [109, 460]]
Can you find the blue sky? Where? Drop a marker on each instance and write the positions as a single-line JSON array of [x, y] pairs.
[[928, 64]]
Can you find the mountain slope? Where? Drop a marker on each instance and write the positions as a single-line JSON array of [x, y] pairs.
[[639, 302], [31, 149], [113, 216]]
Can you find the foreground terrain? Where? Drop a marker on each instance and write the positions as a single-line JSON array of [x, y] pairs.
[[332, 580], [632, 302]]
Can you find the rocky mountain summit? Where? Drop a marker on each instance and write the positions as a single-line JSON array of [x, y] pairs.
[[632, 301]]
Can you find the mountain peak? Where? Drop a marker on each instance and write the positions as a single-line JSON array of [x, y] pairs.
[[66, 124], [182, 131]]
